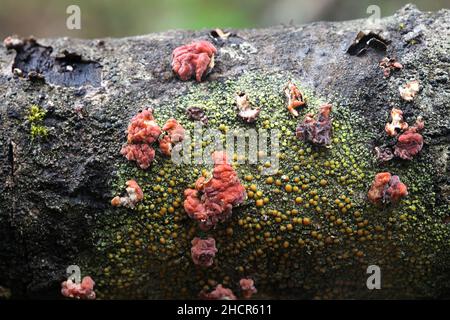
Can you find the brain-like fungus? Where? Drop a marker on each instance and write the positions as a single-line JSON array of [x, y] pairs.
[[316, 131], [245, 110], [388, 65], [83, 290], [295, 98], [134, 195], [247, 287], [143, 128], [175, 134], [219, 293], [410, 142], [203, 251], [386, 188], [213, 199], [397, 124], [409, 90], [143, 154], [193, 60]]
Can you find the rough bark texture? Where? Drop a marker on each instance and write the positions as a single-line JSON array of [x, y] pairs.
[[53, 191]]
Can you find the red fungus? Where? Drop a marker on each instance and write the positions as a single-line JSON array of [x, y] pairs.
[[134, 195], [219, 293], [83, 290], [295, 98], [193, 60], [410, 143], [386, 188], [143, 128], [143, 154], [246, 112], [317, 131], [203, 251], [388, 65], [213, 199], [397, 123], [175, 134], [247, 287]]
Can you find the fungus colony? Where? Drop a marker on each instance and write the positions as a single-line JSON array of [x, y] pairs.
[[213, 199], [143, 132], [317, 131], [409, 142], [193, 60], [83, 290]]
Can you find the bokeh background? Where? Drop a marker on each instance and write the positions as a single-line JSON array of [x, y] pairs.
[[118, 18]]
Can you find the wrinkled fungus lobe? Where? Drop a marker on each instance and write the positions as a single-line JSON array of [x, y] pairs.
[[397, 123], [143, 154], [193, 60], [143, 128], [219, 293], [213, 199], [316, 131], [134, 195], [197, 113], [247, 287], [295, 98], [203, 251], [175, 134], [386, 188], [83, 290], [410, 142]]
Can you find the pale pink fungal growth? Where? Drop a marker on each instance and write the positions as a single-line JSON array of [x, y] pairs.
[[316, 131], [134, 195], [193, 60], [295, 98], [175, 134], [246, 112], [219, 293], [410, 143], [388, 65], [143, 154], [247, 287], [409, 90], [143, 128], [213, 199], [203, 251], [386, 188], [397, 123], [83, 290]]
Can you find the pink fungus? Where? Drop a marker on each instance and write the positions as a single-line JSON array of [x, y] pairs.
[[295, 98], [143, 154], [203, 251], [143, 128], [175, 134], [212, 199], [134, 195], [386, 188], [193, 60], [388, 65], [83, 290], [219, 293], [316, 131], [247, 287]]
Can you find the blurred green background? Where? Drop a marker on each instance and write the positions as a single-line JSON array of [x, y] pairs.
[[118, 18]]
